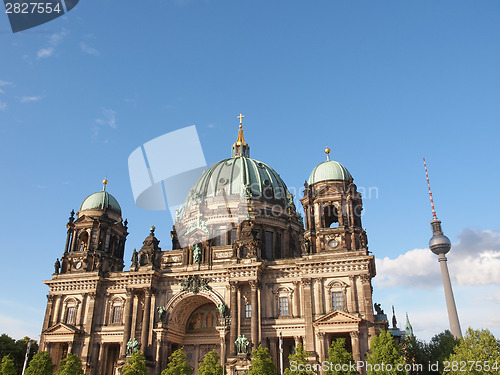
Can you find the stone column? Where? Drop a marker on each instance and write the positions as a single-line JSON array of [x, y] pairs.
[[353, 306], [127, 322], [88, 327], [367, 296], [234, 317], [308, 316], [297, 340], [254, 320], [152, 316], [48, 312], [57, 310], [99, 365], [259, 325], [296, 299], [321, 346], [135, 312], [318, 297], [273, 351], [145, 321], [158, 359], [355, 346]]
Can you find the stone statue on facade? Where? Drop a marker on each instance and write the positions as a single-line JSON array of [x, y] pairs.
[[57, 266], [162, 313], [132, 346], [197, 254], [135, 260], [222, 307], [242, 344], [378, 309]]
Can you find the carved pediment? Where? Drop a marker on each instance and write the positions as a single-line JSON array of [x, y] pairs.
[[337, 317], [61, 329]]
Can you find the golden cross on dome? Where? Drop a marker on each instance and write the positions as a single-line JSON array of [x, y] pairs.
[[241, 119], [104, 183]]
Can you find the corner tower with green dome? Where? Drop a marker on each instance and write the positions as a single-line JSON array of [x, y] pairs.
[[95, 241]]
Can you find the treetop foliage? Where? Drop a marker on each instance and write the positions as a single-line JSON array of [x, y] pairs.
[[41, 364], [177, 364], [71, 365], [136, 365], [210, 364], [262, 363]]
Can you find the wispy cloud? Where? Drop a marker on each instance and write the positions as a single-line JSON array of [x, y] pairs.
[[473, 260], [108, 118], [45, 52], [27, 99], [5, 83], [89, 50], [3, 106], [54, 40]]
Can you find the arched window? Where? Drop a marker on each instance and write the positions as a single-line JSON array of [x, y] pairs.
[[330, 216], [337, 291], [83, 241], [70, 310], [116, 311], [284, 301]]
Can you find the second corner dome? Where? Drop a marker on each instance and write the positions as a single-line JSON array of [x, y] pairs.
[[101, 200], [237, 176], [329, 170]]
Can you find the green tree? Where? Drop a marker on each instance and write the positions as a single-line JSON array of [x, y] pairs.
[[177, 364], [416, 353], [299, 365], [136, 365], [41, 364], [385, 356], [340, 361], [262, 363], [16, 350], [439, 349], [71, 365], [479, 347], [7, 367], [210, 364]]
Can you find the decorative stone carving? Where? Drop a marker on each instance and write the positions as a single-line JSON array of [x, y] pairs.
[[194, 283]]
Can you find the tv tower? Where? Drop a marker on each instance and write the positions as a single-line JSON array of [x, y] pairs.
[[440, 245]]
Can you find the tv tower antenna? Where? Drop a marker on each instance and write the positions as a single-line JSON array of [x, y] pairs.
[[440, 245]]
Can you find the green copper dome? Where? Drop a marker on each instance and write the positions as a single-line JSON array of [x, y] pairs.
[[101, 200], [239, 177], [329, 170]]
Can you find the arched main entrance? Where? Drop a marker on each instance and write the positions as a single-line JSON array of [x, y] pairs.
[[193, 323]]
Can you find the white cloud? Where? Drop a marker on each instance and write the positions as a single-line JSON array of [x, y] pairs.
[[5, 83], [89, 50], [473, 260], [52, 43], [108, 118], [45, 52], [3, 106], [27, 99]]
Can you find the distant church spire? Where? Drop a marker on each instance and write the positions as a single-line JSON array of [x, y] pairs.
[[408, 328], [440, 245], [240, 147]]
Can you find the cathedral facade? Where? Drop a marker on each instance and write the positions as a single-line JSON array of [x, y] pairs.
[[245, 269]]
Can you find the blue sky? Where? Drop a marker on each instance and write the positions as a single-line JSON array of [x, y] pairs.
[[383, 83]]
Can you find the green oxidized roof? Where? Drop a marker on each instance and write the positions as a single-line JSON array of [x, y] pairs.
[[235, 176], [329, 170], [100, 201]]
